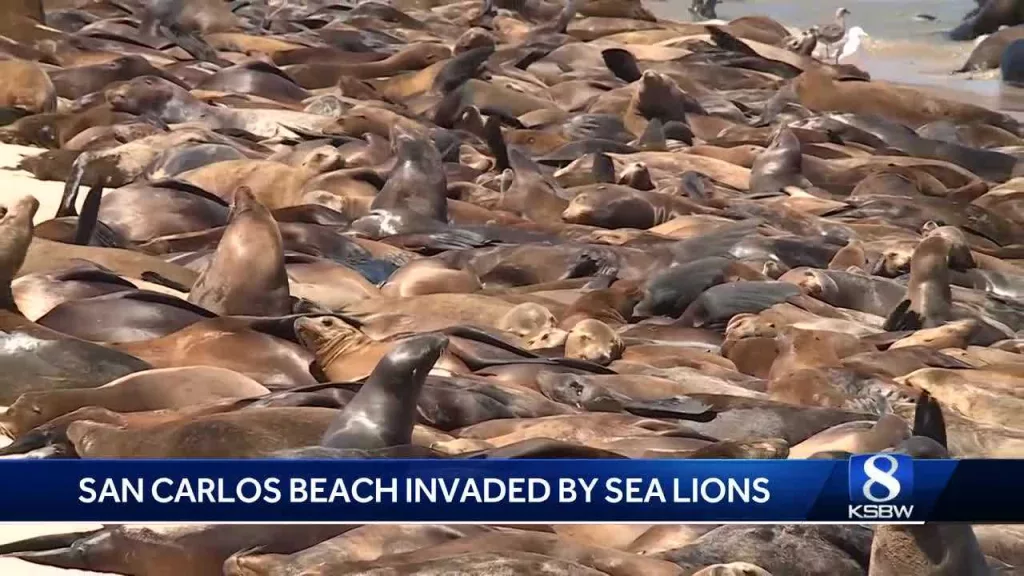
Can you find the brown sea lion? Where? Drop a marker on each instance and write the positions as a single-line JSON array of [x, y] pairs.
[[246, 275], [27, 87], [928, 301], [139, 392], [345, 354], [595, 341]]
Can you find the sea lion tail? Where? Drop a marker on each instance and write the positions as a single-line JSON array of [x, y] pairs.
[[46, 543], [928, 419]]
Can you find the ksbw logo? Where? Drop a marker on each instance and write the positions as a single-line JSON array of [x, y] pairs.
[[881, 487]]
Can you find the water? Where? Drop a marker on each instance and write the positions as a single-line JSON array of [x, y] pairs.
[[900, 48]]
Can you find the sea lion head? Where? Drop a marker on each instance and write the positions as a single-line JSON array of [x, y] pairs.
[[15, 235], [322, 159], [595, 341], [327, 336], [812, 282], [412, 359], [748, 325], [571, 389], [894, 260], [534, 324], [609, 206], [151, 95], [960, 257], [30, 410], [475, 37], [733, 569]]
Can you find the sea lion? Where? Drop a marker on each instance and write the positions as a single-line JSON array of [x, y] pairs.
[[28, 89], [1011, 65], [383, 412], [988, 54], [614, 206], [933, 548], [247, 273], [138, 392], [345, 354], [593, 340], [856, 437], [416, 184], [241, 434], [928, 300], [778, 166], [988, 17], [670, 292]]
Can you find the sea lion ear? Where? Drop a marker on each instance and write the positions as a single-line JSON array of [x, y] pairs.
[[929, 226], [928, 419]]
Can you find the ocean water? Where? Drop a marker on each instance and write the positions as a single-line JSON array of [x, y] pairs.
[[900, 48]]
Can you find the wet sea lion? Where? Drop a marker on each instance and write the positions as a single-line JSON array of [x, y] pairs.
[[988, 17], [417, 183], [247, 273], [383, 412]]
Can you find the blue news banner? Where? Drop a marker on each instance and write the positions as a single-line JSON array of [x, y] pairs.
[[868, 489]]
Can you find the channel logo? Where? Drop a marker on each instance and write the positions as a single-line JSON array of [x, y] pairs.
[[881, 487]]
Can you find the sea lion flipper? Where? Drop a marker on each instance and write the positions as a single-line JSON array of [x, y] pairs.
[[155, 278], [679, 407], [727, 41], [928, 419], [903, 318], [45, 542], [603, 169], [622, 63], [89, 217], [74, 181]]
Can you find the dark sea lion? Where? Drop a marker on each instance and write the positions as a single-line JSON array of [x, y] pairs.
[[247, 273], [716, 305], [37, 294], [928, 301], [417, 183], [939, 548], [988, 17], [138, 392], [778, 166], [28, 89], [123, 316], [670, 292], [383, 412], [258, 78], [1011, 65]]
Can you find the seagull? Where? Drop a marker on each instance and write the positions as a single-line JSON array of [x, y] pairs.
[[853, 40], [803, 43], [833, 33]]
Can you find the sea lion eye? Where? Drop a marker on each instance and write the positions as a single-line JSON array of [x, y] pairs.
[[577, 388], [326, 322], [36, 409]]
